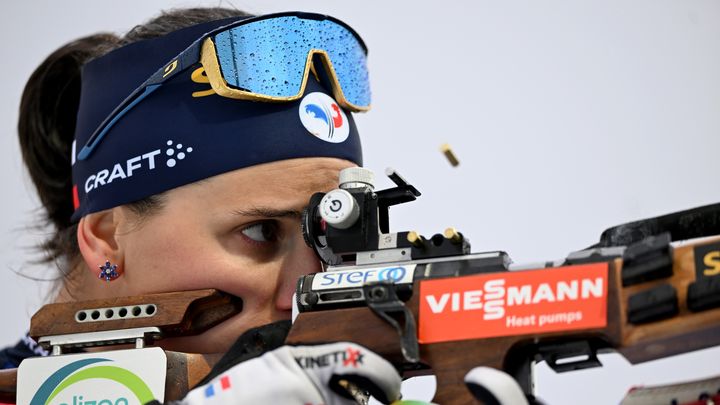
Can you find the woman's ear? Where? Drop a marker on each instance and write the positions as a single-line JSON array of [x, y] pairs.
[[97, 240]]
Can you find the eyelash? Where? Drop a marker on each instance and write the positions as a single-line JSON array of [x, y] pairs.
[[269, 235]]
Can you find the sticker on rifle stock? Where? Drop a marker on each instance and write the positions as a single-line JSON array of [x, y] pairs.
[[399, 274], [120, 377], [707, 260], [513, 303]]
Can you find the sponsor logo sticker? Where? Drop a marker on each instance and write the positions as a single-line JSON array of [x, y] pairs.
[[707, 260], [122, 377], [513, 303], [359, 277]]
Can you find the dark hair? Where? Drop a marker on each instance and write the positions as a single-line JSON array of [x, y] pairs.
[[46, 126]]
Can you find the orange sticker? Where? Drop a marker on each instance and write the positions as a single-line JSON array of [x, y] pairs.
[[513, 303]]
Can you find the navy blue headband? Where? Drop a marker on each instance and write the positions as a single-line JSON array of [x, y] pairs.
[[184, 132]]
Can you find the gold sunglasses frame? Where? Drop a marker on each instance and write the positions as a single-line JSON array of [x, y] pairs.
[[209, 60]]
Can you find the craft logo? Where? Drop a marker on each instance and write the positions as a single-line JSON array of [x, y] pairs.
[[57, 385], [173, 153], [348, 357], [513, 303], [322, 117], [707, 260]]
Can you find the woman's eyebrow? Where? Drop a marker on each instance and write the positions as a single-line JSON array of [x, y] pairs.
[[268, 213]]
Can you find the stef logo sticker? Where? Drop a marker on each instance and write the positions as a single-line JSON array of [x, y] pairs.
[[322, 117], [513, 303]]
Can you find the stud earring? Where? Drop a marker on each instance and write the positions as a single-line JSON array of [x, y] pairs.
[[108, 271]]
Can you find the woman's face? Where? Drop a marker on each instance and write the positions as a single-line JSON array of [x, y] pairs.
[[238, 232]]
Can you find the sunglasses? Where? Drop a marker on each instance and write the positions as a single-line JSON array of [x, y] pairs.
[[267, 59]]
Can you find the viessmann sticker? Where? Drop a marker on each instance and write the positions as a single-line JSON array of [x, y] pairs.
[[513, 303]]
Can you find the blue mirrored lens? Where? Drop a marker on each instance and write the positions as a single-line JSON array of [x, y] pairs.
[[268, 56]]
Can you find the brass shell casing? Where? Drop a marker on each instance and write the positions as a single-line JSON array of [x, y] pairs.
[[449, 154]]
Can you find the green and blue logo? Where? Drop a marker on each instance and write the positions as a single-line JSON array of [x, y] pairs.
[[86, 369]]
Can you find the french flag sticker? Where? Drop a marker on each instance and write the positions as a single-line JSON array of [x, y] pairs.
[[222, 385]]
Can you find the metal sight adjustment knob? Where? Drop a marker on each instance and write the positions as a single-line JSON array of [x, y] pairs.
[[356, 177], [339, 209]]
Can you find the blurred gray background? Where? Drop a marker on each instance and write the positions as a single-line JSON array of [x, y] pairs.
[[567, 117]]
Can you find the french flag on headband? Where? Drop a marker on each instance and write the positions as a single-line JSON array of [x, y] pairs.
[[221, 385]]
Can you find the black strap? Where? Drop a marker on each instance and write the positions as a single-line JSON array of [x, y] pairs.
[[251, 344], [682, 225]]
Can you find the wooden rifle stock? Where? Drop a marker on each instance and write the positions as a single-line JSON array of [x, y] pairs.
[[450, 361], [188, 313], [8, 385], [174, 314]]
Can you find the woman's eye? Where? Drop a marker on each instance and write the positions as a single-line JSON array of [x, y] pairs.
[[261, 232]]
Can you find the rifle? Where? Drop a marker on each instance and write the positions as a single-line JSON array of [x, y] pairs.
[[654, 299], [431, 307]]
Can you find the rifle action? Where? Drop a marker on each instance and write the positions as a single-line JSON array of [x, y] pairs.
[[432, 307]]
